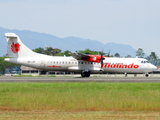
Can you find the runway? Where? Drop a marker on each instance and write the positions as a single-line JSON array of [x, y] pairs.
[[80, 79]]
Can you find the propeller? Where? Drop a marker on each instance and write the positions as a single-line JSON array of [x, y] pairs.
[[108, 54], [102, 58]]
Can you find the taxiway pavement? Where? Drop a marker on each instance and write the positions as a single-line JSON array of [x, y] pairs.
[[80, 79]]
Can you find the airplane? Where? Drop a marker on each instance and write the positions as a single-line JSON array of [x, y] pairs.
[[77, 62]]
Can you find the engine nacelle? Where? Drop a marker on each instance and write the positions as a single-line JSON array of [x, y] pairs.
[[93, 58]]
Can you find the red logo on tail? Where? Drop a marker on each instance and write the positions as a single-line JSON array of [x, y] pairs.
[[15, 47]]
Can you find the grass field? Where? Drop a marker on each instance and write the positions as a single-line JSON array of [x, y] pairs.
[[77, 99], [52, 115]]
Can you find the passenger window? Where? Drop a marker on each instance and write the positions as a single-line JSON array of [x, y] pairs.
[[82, 62]]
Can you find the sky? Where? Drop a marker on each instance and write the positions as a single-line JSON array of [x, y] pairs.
[[130, 22]]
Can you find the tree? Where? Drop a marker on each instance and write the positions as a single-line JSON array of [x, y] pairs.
[[88, 51], [117, 55], [66, 53], [56, 51], [48, 51], [128, 56], [51, 51], [39, 50], [153, 56], [158, 62], [140, 53]]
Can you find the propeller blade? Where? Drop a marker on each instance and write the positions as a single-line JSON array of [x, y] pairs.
[[102, 58], [108, 54]]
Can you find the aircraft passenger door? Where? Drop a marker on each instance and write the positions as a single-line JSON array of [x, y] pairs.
[[43, 64]]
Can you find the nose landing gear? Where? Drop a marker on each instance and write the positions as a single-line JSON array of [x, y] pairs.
[[146, 74]]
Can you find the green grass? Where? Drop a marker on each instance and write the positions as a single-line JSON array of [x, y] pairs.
[[23, 76], [95, 76], [52, 76], [80, 96]]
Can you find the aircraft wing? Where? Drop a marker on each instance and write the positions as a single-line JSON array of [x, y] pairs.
[[85, 57], [80, 56]]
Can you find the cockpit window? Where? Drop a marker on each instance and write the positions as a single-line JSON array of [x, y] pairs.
[[144, 62]]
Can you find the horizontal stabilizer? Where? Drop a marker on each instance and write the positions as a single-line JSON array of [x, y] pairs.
[[11, 35]]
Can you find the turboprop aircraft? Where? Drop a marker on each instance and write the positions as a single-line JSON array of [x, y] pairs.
[[77, 63]]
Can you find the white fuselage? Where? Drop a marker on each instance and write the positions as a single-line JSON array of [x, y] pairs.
[[114, 65], [21, 54]]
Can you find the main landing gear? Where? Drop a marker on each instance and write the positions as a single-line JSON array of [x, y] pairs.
[[85, 74]]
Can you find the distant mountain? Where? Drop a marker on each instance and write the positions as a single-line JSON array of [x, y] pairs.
[[34, 40]]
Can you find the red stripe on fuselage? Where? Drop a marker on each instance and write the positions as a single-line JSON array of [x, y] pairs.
[[55, 66]]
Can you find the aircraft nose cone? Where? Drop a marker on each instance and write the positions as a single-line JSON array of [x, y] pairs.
[[154, 68]]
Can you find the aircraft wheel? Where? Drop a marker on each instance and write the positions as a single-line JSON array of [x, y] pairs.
[[147, 75], [83, 74], [87, 74]]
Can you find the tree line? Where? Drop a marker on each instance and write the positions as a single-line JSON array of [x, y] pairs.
[[58, 52], [152, 58]]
